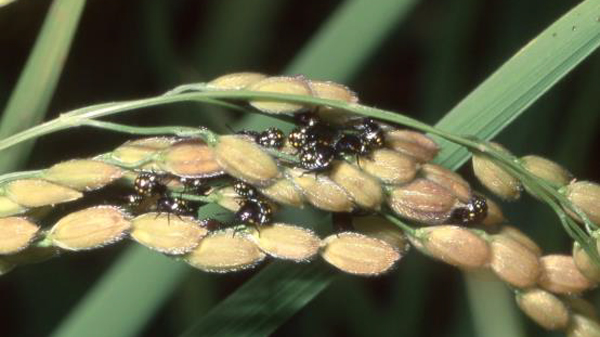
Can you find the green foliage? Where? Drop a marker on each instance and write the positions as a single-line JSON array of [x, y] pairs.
[[37, 83], [526, 76]]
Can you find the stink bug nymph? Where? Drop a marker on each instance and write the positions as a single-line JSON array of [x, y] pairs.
[[172, 205], [317, 158], [149, 183], [245, 190], [271, 137], [254, 212], [474, 212]]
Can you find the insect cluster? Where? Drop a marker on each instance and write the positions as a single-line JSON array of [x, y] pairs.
[[319, 143], [271, 137], [254, 209], [151, 191]]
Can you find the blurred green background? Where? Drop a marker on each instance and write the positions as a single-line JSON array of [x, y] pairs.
[[416, 57]]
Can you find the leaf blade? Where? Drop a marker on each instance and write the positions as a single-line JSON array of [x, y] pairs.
[[29, 101], [349, 37], [137, 272], [280, 287], [519, 82]]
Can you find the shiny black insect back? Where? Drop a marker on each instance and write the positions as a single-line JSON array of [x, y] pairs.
[[272, 138], [315, 142], [349, 145], [149, 183], [172, 205], [474, 212], [134, 200], [197, 186], [370, 133], [317, 158], [152, 192], [255, 212], [245, 190], [319, 143]]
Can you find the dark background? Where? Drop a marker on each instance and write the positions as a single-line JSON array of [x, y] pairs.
[[432, 59]]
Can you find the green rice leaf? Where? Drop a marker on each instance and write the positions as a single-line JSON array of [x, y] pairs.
[[121, 302], [30, 99], [260, 306], [518, 83], [349, 38]]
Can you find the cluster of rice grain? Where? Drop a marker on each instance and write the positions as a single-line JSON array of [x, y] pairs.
[[373, 249], [296, 85], [548, 288], [68, 181], [224, 250], [221, 250], [557, 275], [394, 175], [399, 176]]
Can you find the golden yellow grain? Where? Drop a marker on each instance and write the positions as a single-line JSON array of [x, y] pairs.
[[245, 160], [167, 233], [333, 91], [514, 263], [359, 254], [585, 264], [9, 207], [16, 234], [448, 179], [284, 192], [389, 166], [547, 170], [83, 174], [412, 143], [295, 85], [190, 158], [561, 276], [364, 190], [90, 228], [380, 228], [582, 326], [236, 81], [455, 245], [422, 200], [284, 241], [225, 251], [544, 308], [37, 192], [494, 177], [522, 238], [586, 196], [321, 192], [136, 151]]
